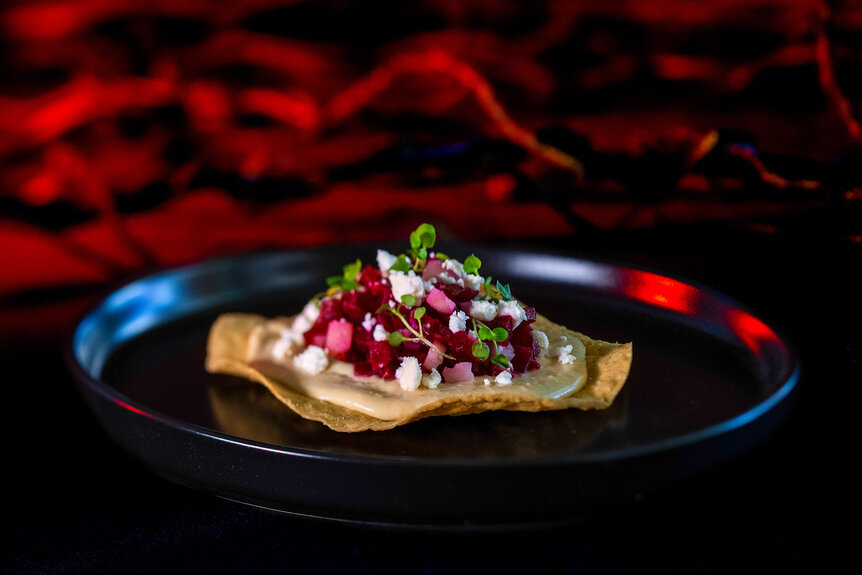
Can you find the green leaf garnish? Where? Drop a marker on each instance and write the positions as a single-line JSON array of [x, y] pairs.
[[402, 264], [334, 281], [441, 256], [472, 264], [481, 350], [408, 299], [505, 291], [423, 237], [500, 360], [395, 338], [499, 334], [419, 313]]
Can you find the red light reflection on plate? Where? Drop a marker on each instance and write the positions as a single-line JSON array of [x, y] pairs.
[[752, 331], [661, 291], [131, 408]]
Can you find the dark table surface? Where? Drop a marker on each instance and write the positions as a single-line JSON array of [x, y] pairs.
[[77, 503]]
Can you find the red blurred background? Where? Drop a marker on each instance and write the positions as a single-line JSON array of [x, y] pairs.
[[140, 134]]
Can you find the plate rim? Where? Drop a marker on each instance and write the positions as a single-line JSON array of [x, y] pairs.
[[88, 383]]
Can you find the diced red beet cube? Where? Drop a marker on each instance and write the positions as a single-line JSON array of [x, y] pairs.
[[460, 346], [523, 334], [440, 301], [330, 309], [380, 353], [530, 311], [351, 306], [433, 359], [369, 275], [523, 356], [339, 336], [461, 371], [507, 322], [433, 267], [363, 368], [433, 329]]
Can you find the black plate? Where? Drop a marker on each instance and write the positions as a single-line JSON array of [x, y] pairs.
[[709, 381]]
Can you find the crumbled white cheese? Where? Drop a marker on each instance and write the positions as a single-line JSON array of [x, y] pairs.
[[483, 310], [455, 267], [313, 360], [380, 333], [512, 309], [487, 381], [407, 284], [503, 378], [564, 354], [457, 321], [451, 280], [287, 344], [473, 281], [306, 318], [432, 380], [385, 260], [368, 322], [409, 374], [540, 336]]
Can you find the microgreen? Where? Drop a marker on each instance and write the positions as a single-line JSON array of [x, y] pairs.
[[472, 264], [347, 280], [408, 299], [402, 264], [482, 351], [396, 340], [498, 291]]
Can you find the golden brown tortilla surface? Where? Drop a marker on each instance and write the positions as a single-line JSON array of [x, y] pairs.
[[607, 367]]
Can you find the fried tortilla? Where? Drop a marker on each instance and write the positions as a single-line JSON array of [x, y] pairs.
[[241, 344]]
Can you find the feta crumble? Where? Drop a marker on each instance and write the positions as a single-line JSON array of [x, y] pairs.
[[313, 360], [503, 378], [409, 374], [432, 380], [564, 354], [380, 333], [483, 310], [287, 344], [385, 260], [512, 309], [407, 284], [457, 321], [540, 336], [368, 322], [487, 381], [306, 318]]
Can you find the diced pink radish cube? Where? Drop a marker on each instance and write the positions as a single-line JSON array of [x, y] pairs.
[[507, 351], [461, 371], [433, 359], [339, 335], [432, 269], [440, 301]]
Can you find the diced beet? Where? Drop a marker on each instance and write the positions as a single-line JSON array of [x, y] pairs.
[[460, 346], [369, 275], [317, 338], [433, 358], [530, 311], [339, 336], [506, 322], [330, 309], [351, 306], [461, 371], [457, 293], [440, 301], [380, 354], [363, 368], [434, 330], [433, 267], [523, 334], [362, 338], [523, 356]]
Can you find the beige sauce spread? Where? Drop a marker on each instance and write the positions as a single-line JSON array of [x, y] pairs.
[[385, 399]]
